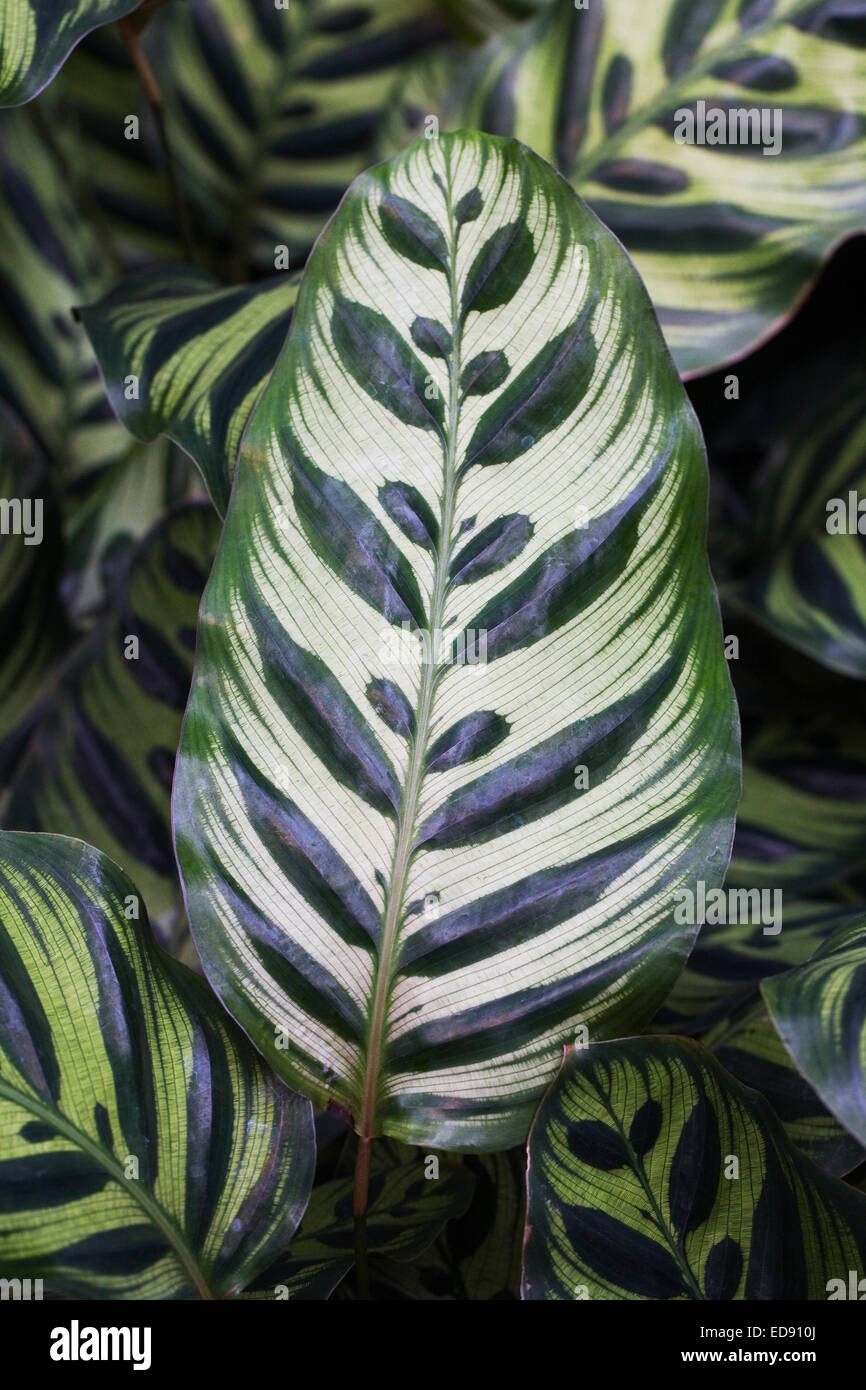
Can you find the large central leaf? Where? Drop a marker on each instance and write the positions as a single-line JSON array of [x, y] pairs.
[[400, 880]]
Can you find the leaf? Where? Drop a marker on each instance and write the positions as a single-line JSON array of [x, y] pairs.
[[808, 572], [730, 959], [819, 1012], [111, 1052], [273, 111], [101, 755], [629, 1198], [801, 825], [476, 20], [749, 1048], [405, 1215], [425, 938], [33, 629], [727, 237], [484, 1246], [35, 40], [124, 180], [184, 356]]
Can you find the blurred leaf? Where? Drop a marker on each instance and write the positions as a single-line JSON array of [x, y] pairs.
[[100, 760], [749, 1048], [405, 1214], [726, 239], [272, 111]]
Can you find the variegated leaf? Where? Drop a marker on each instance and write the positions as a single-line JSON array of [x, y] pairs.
[[146, 1151], [184, 356], [750, 1049], [819, 1011], [655, 1175], [101, 755], [724, 142], [273, 109], [460, 724], [36, 36]]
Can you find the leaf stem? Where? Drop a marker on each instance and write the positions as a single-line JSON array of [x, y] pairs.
[[359, 1208], [154, 96]]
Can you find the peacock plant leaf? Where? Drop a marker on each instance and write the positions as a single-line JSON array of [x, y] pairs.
[[101, 753], [724, 143], [750, 1049], [184, 356], [460, 725], [819, 1011], [273, 111], [147, 1152], [37, 35], [653, 1174]]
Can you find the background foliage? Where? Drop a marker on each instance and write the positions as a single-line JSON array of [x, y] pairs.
[[166, 171]]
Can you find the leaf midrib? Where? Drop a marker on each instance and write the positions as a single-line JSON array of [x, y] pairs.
[[583, 168], [409, 807], [160, 1219]]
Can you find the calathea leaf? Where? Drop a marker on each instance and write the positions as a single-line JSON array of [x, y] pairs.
[[33, 628], [750, 1049], [416, 943], [184, 356], [730, 959], [724, 144], [801, 822], [482, 1249], [147, 1152], [35, 39], [653, 1174], [101, 755], [807, 580], [717, 999], [273, 110], [98, 97], [407, 1210], [819, 1011]]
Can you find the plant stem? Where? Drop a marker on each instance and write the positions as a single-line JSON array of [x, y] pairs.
[[154, 97], [359, 1208]]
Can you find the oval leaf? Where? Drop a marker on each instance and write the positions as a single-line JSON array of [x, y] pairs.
[[428, 939], [712, 1202]]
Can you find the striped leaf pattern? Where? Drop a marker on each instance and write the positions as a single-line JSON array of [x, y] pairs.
[[147, 1152], [36, 36], [730, 960], [184, 356], [750, 1049], [129, 190], [33, 630], [808, 528], [460, 724], [819, 1011], [406, 1213], [101, 756], [655, 1175], [726, 237], [273, 109]]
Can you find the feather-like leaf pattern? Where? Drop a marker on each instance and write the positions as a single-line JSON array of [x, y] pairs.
[[655, 1175], [398, 877], [146, 1151]]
